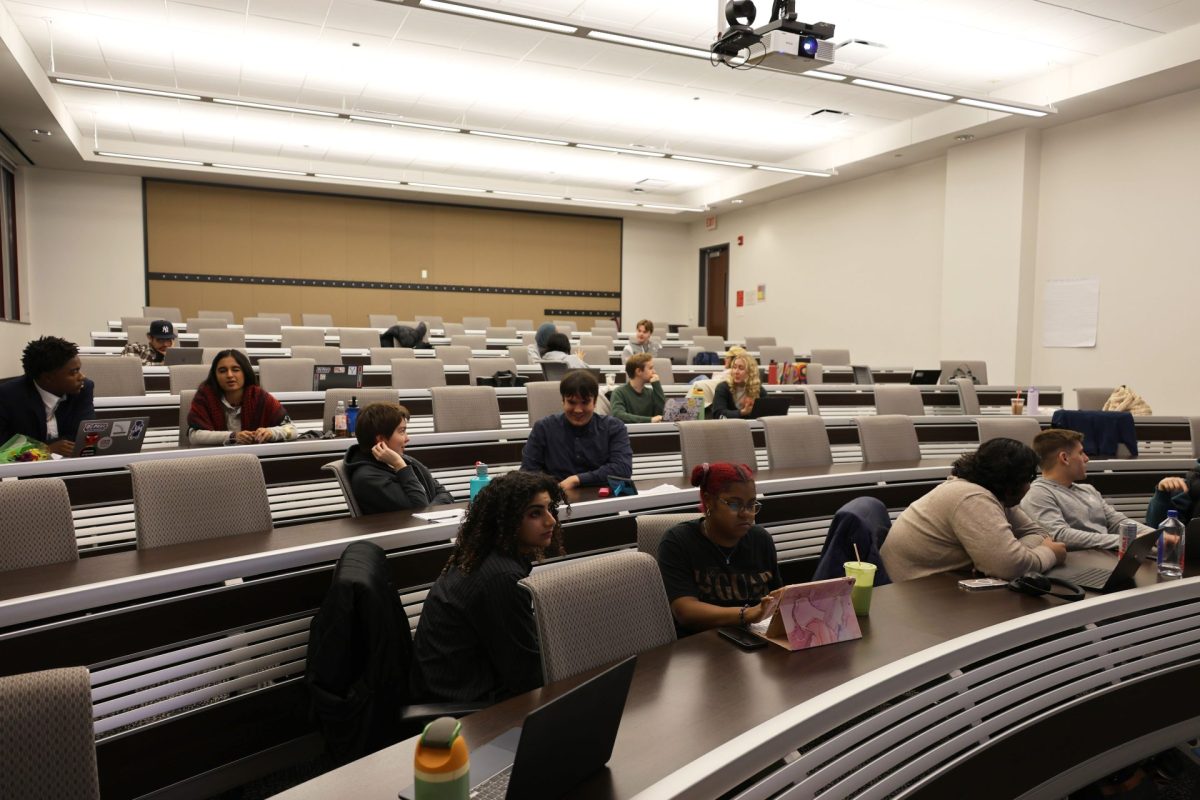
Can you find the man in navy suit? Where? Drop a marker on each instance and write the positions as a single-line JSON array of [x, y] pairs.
[[53, 397]]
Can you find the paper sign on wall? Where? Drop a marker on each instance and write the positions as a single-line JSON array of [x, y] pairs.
[[710, 223], [762, 293], [1071, 313], [741, 298]]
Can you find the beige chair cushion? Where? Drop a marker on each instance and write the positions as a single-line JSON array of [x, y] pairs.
[[114, 376], [543, 399], [286, 374], [888, 438], [264, 326], [465, 408], [797, 441], [303, 337], [47, 744], [186, 376], [35, 517], [651, 528], [716, 440], [222, 338], [899, 398], [325, 356], [418, 373], [382, 356], [316, 320]]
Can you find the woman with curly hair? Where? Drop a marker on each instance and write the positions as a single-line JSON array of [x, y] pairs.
[[972, 521], [734, 398], [477, 640]]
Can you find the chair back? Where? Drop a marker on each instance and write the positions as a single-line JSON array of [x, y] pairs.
[[114, 376], [173, 499], [364, 396], [780, 354], [567, 326], [302, 337], [755, 342], [891, 437], [382, 321], [263, 325], [286, 374], [494, 332], [831, 358], [815, 373], [1194, 425], [651, 528], [689, 332], [284, 318], [430, 322], [1092, 398], [47, 739], [593, 611], [137, 334], [477, 323], [465, 408], [470, 341], [323, 356], [711, 344], [382, 356], [664, 370], [542, 399], [145, 321], [361, 338], [812, 405], [225, 315], [519, 353], [453, 329], [338, 468], [716, 440], [1023, 429], [597, 339], [222, 338], [977, 368], [201, 323], [186, 376], [968, 398], [35, 515], [453, 355], [418, 373], [316, 320], [520, 324], [899, 398], [171, 313], [797, 441], [185, 406], [487, 367], [595, 354]]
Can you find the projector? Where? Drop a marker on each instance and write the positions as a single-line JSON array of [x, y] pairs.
[[784, 43]]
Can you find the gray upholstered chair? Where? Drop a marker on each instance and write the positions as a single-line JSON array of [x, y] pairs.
[[605, 340], [1023, 429], [453, 329], [35, 515], [174, 499], [977, 368], [1092, 398], [137, 334], [201, 323], [780, 354], [528, 337], [362, 338], [716, 440], [812, 405], [968, 398], [567, 326], [604, 325], [831, 357], [316, 320], [47, 739], [453, 354], [263, 325], [210, 353], [710, 344], [888, 438], [302, 337], [487, 367], [114, 376], [382, 320], [286, 374], [225, 315], [418, 373], [471, 341], [222, 338], [162, 312], [185, 405], [144, 321], [542, 399], [364, 396], [431, 322], [495, 332], [899, 398], [755, 342], [592, 611], [815, 373], [324, 356], [338, 468], [383, 356], [465, 408], [595, 355], [797, 441], [1194, 423], [477, 323], [651, 528], [283, 317], [689, 332], [519, 353], [186, 376], [664, 370]]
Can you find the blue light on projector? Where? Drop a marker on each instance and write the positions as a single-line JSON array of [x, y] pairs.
[[809, 45]]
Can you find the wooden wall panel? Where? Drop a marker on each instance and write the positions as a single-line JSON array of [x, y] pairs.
[[194, 229]]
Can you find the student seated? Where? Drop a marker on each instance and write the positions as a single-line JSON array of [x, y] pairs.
[[477, 640], [540, 337], [642, 341], [159, 339], [51, 399], [1181, 494], [719, 569], [231, 408], [640, 398], [558, 349], [734, 397], [382, 477], [579, 447], [973, 521]]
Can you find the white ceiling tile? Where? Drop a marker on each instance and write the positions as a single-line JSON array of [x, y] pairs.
[[71, 64], [625, 61], [564, 51], [209, 84], [267, 91], [1170, 17], [516, 44], [219, 5], [308, 12], [367, 16], [143, 74]]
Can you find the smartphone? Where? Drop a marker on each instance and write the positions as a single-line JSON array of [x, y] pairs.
[[742, 638], [621, 487], [981, 584]]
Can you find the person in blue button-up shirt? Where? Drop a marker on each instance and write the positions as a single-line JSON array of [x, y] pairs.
[[579, 447]]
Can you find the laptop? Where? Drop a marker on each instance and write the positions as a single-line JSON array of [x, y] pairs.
[[862, 375], [559, 746], [925, 377], [331, 377], [677, 355], [110, 437], [767, 406], [183, 355], [681, 409], [1116, 579]]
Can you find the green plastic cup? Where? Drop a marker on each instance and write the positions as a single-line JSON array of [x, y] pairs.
[[863, 573]]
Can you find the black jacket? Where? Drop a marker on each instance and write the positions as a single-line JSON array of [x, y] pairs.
[[22, 410], [378, 489]]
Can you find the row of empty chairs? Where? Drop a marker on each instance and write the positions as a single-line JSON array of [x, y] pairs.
[[212, 319]]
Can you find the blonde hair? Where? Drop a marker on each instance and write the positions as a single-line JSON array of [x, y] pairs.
[[753, 381]]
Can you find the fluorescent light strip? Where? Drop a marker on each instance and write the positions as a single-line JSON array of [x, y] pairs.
[[259, 169], [397, 123], [669, 208], [1028, 112], [270, 107], [605, 202], [354, 178], [130, 89], [443, 186], [648, 44], [516, 138], [829, 76], [529, 195], [788, 170], [150, 158], [718, 162], [496, 16], [892, 87], [622, 150]]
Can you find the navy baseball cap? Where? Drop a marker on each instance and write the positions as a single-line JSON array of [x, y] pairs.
[[162, 329]]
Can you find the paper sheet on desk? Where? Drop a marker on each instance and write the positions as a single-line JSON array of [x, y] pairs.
[[453, 515], [662, 488]]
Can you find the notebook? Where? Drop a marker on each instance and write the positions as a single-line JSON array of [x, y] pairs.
[[559, 746], [183, 355], [925, 377], [682, 409], [812, 614], [1115, 579], [110, 437]]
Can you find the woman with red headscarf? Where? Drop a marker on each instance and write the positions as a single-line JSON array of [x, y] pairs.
[[231, 408], [720, 569]]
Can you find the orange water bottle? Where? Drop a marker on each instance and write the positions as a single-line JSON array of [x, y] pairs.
[[441, 768]]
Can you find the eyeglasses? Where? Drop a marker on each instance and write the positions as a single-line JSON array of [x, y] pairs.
[[737, 506]]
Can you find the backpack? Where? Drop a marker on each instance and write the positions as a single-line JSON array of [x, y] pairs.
[[500, 378], [963, 371], [707, 358]]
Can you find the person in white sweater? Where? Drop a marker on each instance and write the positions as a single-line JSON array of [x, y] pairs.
[[972, 521]]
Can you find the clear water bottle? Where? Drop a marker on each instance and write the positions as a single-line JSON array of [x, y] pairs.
[[1170, 546]]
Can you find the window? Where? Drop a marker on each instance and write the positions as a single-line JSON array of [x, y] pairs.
[[10, 294]]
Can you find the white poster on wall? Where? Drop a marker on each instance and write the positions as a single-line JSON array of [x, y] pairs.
[[1071, 313]]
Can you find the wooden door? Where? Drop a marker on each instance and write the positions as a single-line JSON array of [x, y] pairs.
[[714, 290]]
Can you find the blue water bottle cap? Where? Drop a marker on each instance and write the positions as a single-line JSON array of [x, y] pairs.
[[1173, 513], [480, 469]]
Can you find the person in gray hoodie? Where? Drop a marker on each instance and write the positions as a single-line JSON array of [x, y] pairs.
[[382, 477], [539, 342]]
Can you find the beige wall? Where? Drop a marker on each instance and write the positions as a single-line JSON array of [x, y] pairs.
[[659, 276]]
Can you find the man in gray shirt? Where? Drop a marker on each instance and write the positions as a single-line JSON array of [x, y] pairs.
[[1072, 513]]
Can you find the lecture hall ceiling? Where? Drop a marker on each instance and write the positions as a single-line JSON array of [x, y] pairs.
[[404, 63]]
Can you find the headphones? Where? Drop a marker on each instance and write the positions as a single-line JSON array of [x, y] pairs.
[[1038, 585]]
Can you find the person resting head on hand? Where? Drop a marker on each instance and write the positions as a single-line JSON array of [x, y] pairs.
[[382, 476], [231, 408]]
